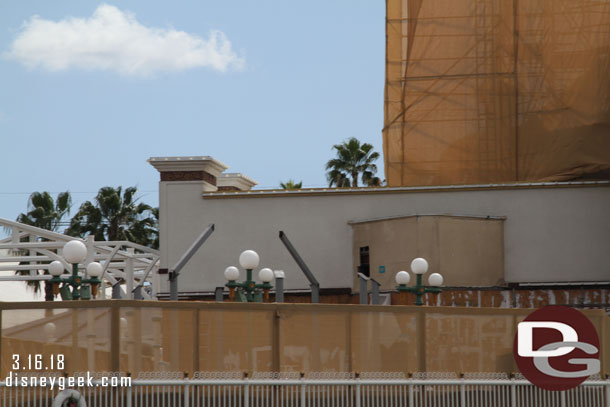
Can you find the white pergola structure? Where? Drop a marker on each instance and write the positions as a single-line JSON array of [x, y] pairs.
[[128, 267]]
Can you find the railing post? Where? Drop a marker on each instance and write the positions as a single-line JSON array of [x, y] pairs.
[[411, 391], [462, 391], [563, 398], [187, 390], [246, 390], [608, 391], [358, 390], [302, 389], [128, 396], [513, 392]]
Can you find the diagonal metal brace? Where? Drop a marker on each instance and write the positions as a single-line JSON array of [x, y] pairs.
[[174, 272], [313, 283]]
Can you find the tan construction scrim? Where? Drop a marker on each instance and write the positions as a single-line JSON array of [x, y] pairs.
[[486, 91]]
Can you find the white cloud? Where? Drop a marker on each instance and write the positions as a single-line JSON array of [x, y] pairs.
[[114, 40]]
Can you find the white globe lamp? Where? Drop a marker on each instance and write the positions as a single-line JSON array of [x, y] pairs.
[[249, 259], [56, 268], [402, 278], [231, 273], [95, 269], [266, 275], [75, 251], [435, 280], [419, 266]]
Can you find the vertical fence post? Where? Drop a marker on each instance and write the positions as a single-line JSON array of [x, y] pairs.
[[187, 391], [128, 396], [246, 390], [411, 391], [513, 392], [608, 392], [563, 398], [302, 389], [462, 391], [358, 390]]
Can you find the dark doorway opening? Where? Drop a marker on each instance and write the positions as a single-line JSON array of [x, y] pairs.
[[364, 266]]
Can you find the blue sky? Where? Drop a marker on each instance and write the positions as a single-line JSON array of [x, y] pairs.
[[283, 82]]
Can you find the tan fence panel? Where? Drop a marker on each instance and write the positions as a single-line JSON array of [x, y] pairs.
[[141, 336]]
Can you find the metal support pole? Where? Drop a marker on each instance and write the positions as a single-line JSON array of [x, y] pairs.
[[315, 293], [173, 286], [116, 291], [375, 292], [364, 291], [420, 292], [75, 285], [219, 294], [279, 286], [137, 293]]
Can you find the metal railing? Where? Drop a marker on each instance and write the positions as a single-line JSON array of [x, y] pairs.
[[317, 389]]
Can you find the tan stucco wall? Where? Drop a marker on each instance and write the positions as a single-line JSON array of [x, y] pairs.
[[467, 251]]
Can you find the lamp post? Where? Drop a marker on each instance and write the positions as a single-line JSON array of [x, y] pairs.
[[419, 267], [248, 290], [75, 252]]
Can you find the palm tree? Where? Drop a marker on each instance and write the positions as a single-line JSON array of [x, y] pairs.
[[353, 159], [290, 184], [116, 215], [45, 213]]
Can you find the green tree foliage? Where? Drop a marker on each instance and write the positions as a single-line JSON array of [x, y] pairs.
[[116, 215], [45, 213], [353, 160], [290, 184]]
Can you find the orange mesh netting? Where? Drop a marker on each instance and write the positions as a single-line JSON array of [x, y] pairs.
[[483, 91]]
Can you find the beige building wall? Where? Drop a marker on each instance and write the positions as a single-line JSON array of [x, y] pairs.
[[552, 232], [467, 251]]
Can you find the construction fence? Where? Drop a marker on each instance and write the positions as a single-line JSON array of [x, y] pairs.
[[142, 336]]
